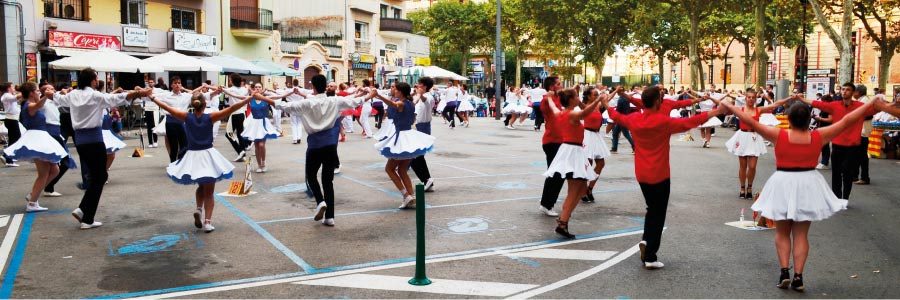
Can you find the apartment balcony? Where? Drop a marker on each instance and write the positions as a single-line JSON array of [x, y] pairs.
[[363, 46], [251, 22], [395, 28], [290, 44]]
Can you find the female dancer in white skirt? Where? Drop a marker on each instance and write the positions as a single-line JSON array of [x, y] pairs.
[[511, 108], [747, 145], [706, 129], [405, 143], [797, 194], [524, 104], [36, 145], [465, 107], [258, 128], [112, 142], [594, 140], [201, 164], [571, 161]]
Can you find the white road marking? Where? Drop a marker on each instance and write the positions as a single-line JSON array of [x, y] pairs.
[[384, 267], [4, 219], [9, 240], [437, 286], [566, 254], [605, 265]]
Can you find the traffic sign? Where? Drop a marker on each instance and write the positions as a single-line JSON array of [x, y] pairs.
[[544, 75]]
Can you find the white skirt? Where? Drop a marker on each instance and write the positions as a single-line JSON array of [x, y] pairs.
[[595, 145], [406, 144], [798, 196], [113, 143], [571, 159], [744, 143], [160, 128], [200, 166], [769, 120], [675, 113], [440, 106], [387, 129], [465, 106], [606, 117], [36, 145], [712, 122], [259, 129]]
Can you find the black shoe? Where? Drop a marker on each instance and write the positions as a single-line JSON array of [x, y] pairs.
[[797, 282], [785, 279], [562, 228], [743, 193], [585, 199], [590, 197]]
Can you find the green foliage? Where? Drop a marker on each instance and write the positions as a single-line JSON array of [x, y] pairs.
[[656, 28], [455, 28]]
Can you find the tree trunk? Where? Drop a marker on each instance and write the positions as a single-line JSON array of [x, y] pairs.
[[463, 63], [884, 65], [693, 55], [518, 70], [759, 53], [598, 69], [747, 63], [661, 59], [841, 41]]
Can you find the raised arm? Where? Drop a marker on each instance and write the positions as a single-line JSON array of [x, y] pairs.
[[267, 99], [588, 109], [173, 112], [222, 114], [829, 132], [881, 105], [776, 104], [229, 94], [767, 132], [33, 107]]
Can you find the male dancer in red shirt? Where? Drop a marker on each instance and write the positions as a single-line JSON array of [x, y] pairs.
[[550, 143]]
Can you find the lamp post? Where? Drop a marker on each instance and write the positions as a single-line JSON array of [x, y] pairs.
[[498, 69], [739, 30]]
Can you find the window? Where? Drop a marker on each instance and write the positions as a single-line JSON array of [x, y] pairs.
[[384, 11], [184, 19], [362, 31], [397, 13], [66, 9], [771, 71], [134, 12]]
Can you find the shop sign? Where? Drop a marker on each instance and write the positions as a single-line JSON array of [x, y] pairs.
[[31, 67], [367, 58], [67, 39], [422, 61], [187, 41], [355, 57], [134, 36], [363, 66]]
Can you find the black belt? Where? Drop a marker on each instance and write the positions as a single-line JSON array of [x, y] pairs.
[[749, 130], [592, 130], [573, 144], [795, 169]]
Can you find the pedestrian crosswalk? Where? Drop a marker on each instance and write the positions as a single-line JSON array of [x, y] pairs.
[[438, 286], [565, 254]]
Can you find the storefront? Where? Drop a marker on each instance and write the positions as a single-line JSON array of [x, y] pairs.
[[64, 43], [363, 67]]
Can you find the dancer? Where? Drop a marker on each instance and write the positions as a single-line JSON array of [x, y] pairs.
[[52, 114], [11, 109], [151, 117], [796, 194], [236, 138], [511, 108], [296, 124], [175, 135], [525, 103], [893, 109], [111, 141], [449, 102], [86, 106], [844, 152], [201, 164], [320, 116], [211, 94], [550, 143], [258, 127], [405, 144], [652, 130], [276, 113], [594, 141], [706, 130], [465, 107], [424, 102], [366, 113], [747, 145], [536, 96], [36, 145], [571, 160]]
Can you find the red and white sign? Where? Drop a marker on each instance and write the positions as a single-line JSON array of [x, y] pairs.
[[82, 40]]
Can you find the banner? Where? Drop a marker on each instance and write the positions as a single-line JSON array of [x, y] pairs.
[[134, 36], [194, 42], [82, 40]]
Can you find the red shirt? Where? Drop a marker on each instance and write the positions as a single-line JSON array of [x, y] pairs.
[[850, 136], [593, 121], [797, 156], [666, 106], [746, 127], [571, 133], [552, 135], [651, 131]]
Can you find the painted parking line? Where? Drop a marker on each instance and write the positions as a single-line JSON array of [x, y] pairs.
[[585, 274], [438, 286], [372, 186], [9, 278], [476, 176], [4, 219], [566, 254], [461, 169], [9, 239]]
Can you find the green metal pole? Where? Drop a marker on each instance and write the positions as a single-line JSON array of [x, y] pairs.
[[420, 278]]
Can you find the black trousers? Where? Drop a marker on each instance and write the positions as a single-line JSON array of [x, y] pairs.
[[419, 165], [552, 185], [326, 159], [538, 118], [506, 121], [152, 138], [617, 130], [177, 139], [12, 127], [845, 167], [863, 156], [449, 114], [65, 126], [93, 158], [656, 196], [63, 167], [379, 115], [826, 154], [237, 125]]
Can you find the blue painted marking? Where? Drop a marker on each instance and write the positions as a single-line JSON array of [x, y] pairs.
[[529, 262], [9, 279], [374, 166], [156, 243], [289, 188], [515, 185], [351, 267], [539, 164], [468, 225], [386, 191], [266, 235]]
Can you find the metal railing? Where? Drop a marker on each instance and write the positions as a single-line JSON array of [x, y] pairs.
[[66, 9], [394, 24], [248, 17], [289, 44]]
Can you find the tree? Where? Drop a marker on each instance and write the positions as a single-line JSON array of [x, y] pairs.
[[697, 11], [842, 40], [517, 32], [737, 25], [656, 28], [885, 14], [455, 28]]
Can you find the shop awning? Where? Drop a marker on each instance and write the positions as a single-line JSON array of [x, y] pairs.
[[105, 60], [430, 71], [231, 64], [275, 69], [62, 51], [174, 61]]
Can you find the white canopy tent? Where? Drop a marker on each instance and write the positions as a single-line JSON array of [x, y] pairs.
[[177, 62], [429, 71], [231, 64], [105, 60]]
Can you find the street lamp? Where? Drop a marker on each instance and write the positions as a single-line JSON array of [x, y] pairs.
[[739, 30]]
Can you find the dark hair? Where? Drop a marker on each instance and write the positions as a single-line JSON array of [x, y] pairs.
[[567, 95], [427, 82], [366, 83], [850, 85], [550, 81], [404, 89], [827, 98], [5, 86], [101, 85], [208, 82], [85, 77], [173, 79], [587, 93], [862, 89], [236, 79], [649, 96], [319, 83], [295, 82], [798, 115], [27, 89]]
